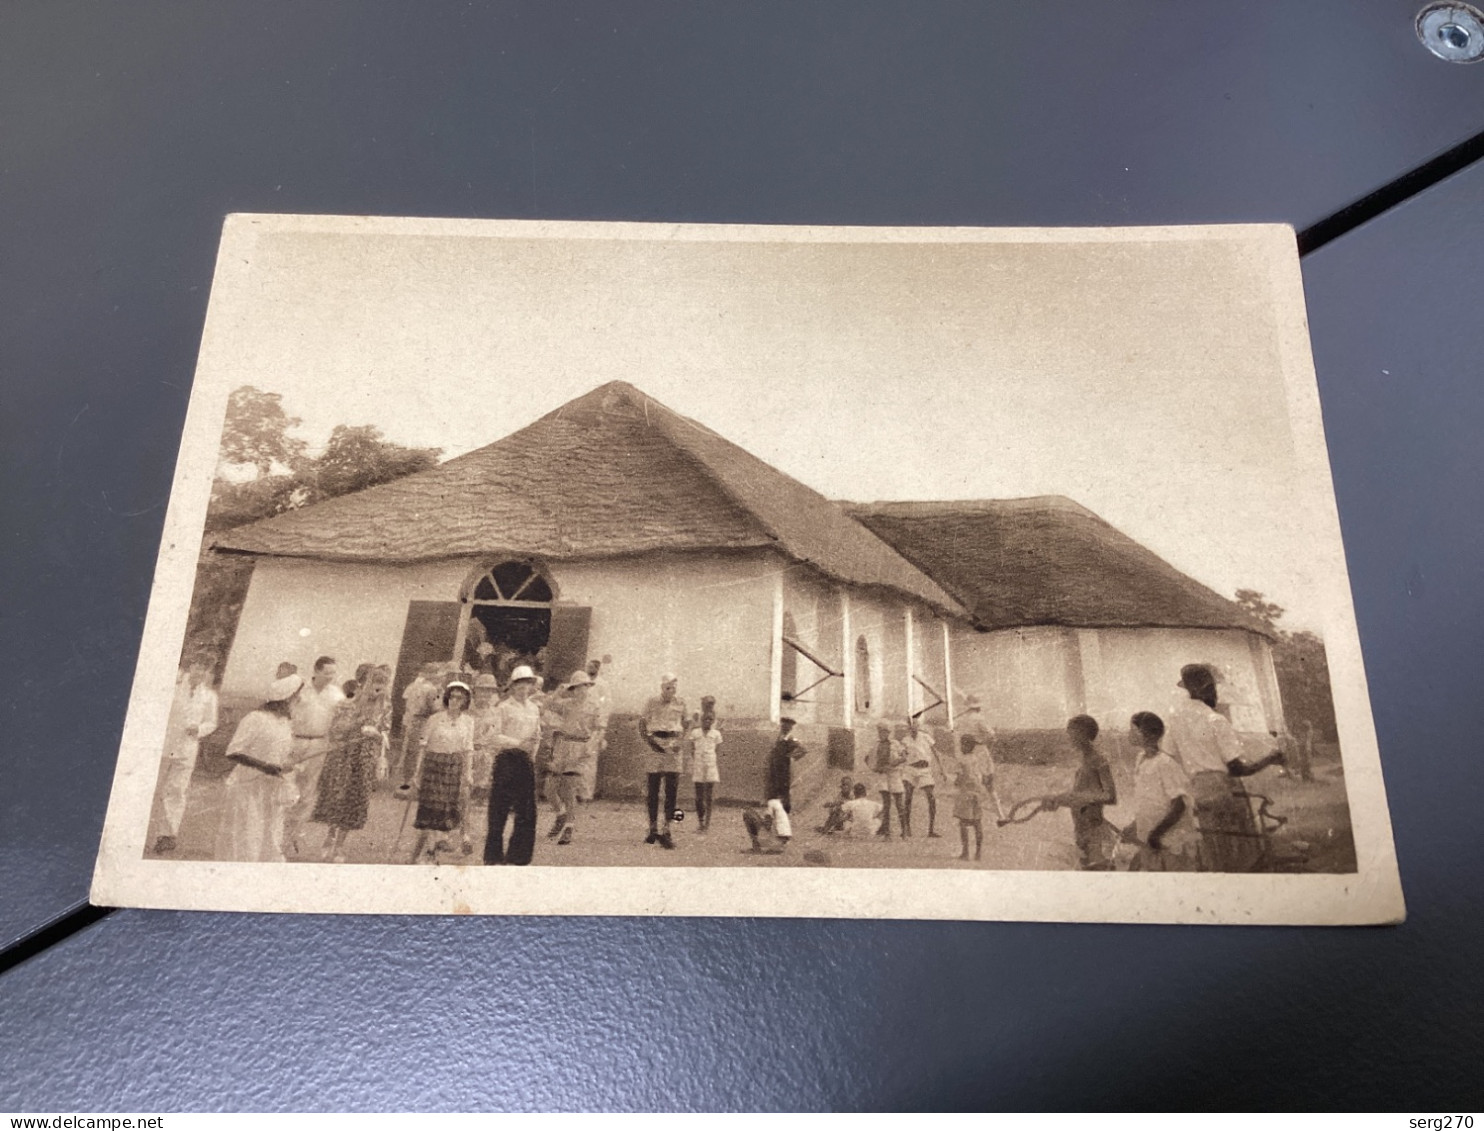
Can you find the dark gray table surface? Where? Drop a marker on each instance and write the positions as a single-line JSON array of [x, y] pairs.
[[127, 132]]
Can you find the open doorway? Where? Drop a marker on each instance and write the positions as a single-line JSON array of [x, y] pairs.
[[498, 637]]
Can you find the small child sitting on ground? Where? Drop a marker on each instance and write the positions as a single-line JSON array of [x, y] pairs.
[[834, 811], [861, 815]]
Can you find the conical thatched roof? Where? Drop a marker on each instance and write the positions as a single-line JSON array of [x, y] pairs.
[[611, 473], [1047, 560]]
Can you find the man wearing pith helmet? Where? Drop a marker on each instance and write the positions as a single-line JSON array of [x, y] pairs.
[[572, 717], [516, 732]]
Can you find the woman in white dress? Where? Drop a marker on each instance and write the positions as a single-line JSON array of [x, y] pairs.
[[257, 792]]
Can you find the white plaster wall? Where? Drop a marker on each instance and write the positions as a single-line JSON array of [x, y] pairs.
[[1025, 677], [1039, 677], [298, 610], [1140, 669], [927, 664], [708, 619], [814, 603], [881, 620]]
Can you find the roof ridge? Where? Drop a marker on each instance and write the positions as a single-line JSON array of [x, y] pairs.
[[710, 472], [904, 507], [675, 419]]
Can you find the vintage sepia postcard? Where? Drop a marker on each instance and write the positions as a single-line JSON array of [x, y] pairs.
[[598, 568]]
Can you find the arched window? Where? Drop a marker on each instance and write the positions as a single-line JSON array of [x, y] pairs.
[[790, 680], [862, 675], [506, 618], [512, 583]]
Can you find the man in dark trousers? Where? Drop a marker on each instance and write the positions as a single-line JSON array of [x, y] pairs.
[[661, 726], [778, 784], [516, 731]]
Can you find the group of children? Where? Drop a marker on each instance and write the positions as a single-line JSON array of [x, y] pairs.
[[1163, 830], [1190, 812]]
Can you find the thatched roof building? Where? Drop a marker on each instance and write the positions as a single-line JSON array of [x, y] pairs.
[[1046, 561], [613, 473], [614, 525]]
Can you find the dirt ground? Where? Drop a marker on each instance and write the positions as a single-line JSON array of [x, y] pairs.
[[1316, 836]]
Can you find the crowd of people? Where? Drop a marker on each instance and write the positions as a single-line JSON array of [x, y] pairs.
[[315, 751]]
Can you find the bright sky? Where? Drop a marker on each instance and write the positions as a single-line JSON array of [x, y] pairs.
[[1141, 379]]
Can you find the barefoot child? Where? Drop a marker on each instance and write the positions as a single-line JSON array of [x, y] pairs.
[[835, 816], [704, 738], [972, 782], [1092, 788], [861, 815], [1164, 812]]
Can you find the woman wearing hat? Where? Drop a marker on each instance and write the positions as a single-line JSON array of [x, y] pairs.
[[446, 770], [358, 735], [1206, 744], [257, 792]]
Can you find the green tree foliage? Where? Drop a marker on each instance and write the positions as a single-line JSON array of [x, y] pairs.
[[1302, 667], [257, 434]]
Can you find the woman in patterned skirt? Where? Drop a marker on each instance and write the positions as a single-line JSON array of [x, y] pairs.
[[358, 736], [446, 771]]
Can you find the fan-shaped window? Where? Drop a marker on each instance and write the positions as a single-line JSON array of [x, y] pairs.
[[513, 581]]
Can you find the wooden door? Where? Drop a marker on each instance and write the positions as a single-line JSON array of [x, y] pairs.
[[566, 647], [432, 627]]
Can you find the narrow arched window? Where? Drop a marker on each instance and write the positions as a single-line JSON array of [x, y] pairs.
[[790, 680]]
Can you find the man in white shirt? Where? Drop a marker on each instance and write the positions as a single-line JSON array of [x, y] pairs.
[[1163, 823], [516, 727], [193, 716], [919, 773], [862, 814], [1207, 746], [602, 698], [661, 727], [311, 716]]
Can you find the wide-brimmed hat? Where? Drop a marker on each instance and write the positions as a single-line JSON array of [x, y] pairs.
[[522, 671], [669, 677], [285, 688], [457, 685], [580, 678], [484, 679]]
